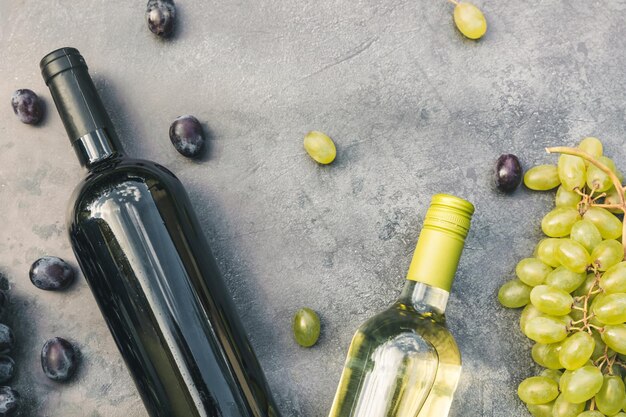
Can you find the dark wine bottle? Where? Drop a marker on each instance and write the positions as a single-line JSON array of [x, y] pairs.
[[138, 242]]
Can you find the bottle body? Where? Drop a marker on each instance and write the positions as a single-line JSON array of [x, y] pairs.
[[141, 249], [402, 362]]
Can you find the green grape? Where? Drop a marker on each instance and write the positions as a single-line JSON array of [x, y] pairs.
[[547, 250], [306, 327], [611, 396], [586, 233], [565, 279], [620, 414], [528, 313], [542, 178], [540, 410], [571, 171], [552, 301], [610, 309], [563, 408], [598, 349], [531, 271], [559, 222], [614, 335], [614, 279], [567, 198], [582, 384], [607, 253], [553, 374], [591, 413], [610, 227], [547, 355], [470, 20], [586, 286], [597, 179], [573, 256], [538, 390], [320, 147], [576, 350], [577, 314], [514, 294], [546, 329], [612, 197], [592, 146]]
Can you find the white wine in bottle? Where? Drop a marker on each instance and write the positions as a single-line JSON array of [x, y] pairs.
[[404, 362]]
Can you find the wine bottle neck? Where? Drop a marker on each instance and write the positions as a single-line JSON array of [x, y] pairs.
[[424, 298], [86, 121]]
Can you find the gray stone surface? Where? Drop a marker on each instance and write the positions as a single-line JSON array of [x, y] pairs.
[[414, 108]]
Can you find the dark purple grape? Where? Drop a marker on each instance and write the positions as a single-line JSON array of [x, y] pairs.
[[9, 402], [7, 340], [27, 106], [59, 359], [508, 173], [51, 273], [7, 369], [160, 15], [187, 136]]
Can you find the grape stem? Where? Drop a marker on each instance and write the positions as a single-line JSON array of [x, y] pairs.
[[455, 2], [616, 182]]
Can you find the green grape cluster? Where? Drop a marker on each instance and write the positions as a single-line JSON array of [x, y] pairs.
[[573, 289]]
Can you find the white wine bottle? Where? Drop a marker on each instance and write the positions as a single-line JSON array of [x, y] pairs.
[[404, 362]]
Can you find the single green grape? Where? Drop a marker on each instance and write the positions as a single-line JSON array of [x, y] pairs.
[[614, 335], [306, 327], [612, 197], [546, 329], [547, 250], [597, 179], [531, 271], [571, 171], [610, 227], [577, 313], [547, 355], [540, 410], [550, 300], [559, 222], [320, 147], [565, 279], [470, 20], [592, 146], [514, 294], [610, 309], [598, 350], [586, 286], [576, 350], [573, 256], [620, 414], [553, 374], [610, 398], [607, 253], [567, 198], [563, 408], [538, 390], [542, 178], [582, 384], [614, 279], [586, 233]]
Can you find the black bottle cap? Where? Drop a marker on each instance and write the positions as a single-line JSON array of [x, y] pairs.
[[75, 96]]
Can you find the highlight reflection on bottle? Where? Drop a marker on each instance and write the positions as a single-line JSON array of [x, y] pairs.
[[404, 362]]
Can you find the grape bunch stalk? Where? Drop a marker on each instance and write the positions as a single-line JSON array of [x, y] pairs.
[[573, 289]]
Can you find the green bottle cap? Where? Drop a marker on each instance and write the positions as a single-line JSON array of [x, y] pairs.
[[441, 241]]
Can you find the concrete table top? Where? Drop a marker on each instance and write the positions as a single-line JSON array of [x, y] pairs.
[[414, 108]]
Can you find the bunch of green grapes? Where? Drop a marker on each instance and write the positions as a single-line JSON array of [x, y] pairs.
[[573, 290]]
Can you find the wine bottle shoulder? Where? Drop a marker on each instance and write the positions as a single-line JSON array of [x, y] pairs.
[[125, 181], [401, 320]]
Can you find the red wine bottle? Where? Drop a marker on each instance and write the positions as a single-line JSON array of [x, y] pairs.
[[140, 247]]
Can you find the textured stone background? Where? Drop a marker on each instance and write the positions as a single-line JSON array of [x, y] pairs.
[[414, 108]]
